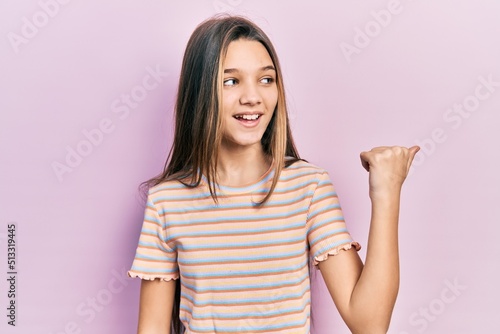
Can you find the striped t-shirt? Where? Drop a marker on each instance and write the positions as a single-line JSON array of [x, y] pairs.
[[244, 268]]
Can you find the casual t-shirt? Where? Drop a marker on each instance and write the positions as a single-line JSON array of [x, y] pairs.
[[244, 268]]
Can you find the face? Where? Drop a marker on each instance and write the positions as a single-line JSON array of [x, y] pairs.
[[249, 93]]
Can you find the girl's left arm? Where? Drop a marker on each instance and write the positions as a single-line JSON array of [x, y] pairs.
[[365, 294]]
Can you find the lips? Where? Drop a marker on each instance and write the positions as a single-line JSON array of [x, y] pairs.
[[248, 119]]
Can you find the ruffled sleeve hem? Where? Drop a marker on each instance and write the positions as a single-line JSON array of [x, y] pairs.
[[151, 277], [335, 251]]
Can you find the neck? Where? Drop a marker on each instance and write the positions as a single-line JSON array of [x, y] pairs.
[[238, 166]]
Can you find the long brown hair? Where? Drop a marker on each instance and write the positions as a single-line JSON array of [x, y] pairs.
[[198, 134]]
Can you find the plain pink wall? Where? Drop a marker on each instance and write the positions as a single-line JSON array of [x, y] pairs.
[[358, 75]]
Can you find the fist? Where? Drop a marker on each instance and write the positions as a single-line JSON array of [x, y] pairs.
[[388, 167]]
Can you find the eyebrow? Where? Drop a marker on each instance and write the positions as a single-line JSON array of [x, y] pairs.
[[262, 69]]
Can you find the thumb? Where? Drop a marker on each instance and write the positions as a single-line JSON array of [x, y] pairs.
[[412, 151]]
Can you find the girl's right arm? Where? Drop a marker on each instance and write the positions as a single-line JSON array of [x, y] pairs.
[[155, 306]]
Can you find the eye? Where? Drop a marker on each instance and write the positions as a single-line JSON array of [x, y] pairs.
[[230, 82], [267, 80]]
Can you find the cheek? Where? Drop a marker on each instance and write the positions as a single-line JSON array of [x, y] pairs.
[[271, 99], [228, 102]]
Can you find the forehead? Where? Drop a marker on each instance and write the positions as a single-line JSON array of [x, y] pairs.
[[246, 54]]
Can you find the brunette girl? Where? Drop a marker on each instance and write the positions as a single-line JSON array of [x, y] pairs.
[[237, 218]]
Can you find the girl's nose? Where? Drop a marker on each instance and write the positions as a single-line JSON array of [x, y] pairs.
[[250, 95]]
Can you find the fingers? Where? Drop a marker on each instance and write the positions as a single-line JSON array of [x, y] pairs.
[[367, 156]]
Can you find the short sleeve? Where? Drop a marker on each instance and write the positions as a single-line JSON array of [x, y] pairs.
[[153, 257], [327, 232]]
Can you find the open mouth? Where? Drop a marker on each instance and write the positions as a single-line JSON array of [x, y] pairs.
[[247, 117]]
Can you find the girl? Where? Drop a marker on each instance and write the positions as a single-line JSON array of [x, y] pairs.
[[236, 218]]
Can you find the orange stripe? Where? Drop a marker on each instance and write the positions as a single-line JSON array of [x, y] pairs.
[[191, 305], [267, 316], [328, 237], [241, 261], [246, 289], [241, 247], [260, 331], [298, 270], [236, 235]]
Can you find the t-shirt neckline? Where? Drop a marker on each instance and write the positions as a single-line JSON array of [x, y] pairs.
[[247, 188]]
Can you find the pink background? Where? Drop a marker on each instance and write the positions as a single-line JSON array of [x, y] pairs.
[[78, 232]]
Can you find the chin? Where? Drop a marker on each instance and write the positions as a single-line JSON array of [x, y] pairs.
[[244, 142]]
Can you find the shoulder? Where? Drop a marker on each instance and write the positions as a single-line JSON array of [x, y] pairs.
[[305, 168], [172, 190], [304, 174]]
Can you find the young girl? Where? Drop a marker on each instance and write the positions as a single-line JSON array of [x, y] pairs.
[[236, 218]]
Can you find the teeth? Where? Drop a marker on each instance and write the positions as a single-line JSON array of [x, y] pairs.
[[248, 117]]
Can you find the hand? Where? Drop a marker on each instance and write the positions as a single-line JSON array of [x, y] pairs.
[[388, 167]]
